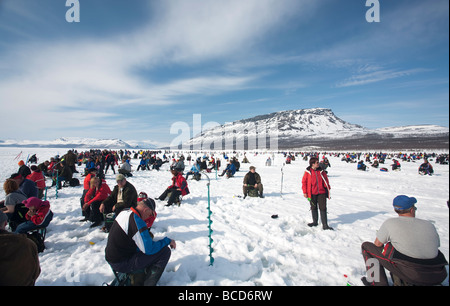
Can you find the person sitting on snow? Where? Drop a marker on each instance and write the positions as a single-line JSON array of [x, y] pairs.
[[230, 170], [252, 180], [179, 187], [149, 221], [38, 178], [123, 196], [26, 186], [125, 169], [130, 247], [96, 194], [411, 259], [426, 168], [38, 216], [24, 170], [19, 260], [396, 165], [361, 166], [195, 170], [375, 163]]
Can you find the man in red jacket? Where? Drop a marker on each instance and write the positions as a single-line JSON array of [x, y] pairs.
[[316, 188]]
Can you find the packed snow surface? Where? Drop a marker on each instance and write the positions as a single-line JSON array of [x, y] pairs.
[[250, 247]]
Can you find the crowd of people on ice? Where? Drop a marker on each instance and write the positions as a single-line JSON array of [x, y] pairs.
[[128, 215]]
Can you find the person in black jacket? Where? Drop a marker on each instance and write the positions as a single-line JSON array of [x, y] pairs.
[[124, 195], [130, 248], [252, 180]]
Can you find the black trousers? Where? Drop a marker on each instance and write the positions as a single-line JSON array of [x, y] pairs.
[[174, 195], [319, 201]]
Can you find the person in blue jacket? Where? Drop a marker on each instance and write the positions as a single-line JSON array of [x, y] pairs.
[[195, 170], [230, 170], [130, 247]]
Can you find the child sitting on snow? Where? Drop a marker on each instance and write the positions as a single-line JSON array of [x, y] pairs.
[[39, 215]]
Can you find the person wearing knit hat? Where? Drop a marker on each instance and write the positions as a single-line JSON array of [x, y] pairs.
[[406, 246], [23, 169], [39, 215]]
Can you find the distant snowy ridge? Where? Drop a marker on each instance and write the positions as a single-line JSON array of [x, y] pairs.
[[414, 130], [305, 126], [75, 142]]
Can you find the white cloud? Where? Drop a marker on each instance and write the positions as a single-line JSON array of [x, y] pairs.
[[48, 75], [373, 74]]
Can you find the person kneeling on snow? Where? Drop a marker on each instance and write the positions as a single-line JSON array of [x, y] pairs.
[[130, 247], [407, 247]]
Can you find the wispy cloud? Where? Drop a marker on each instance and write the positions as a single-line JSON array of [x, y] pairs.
[[371, 74]]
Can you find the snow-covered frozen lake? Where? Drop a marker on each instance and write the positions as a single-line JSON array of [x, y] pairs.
[[250, 247]]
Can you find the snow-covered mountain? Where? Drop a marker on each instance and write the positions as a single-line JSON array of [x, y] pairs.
[[74, 142], [305, 127]]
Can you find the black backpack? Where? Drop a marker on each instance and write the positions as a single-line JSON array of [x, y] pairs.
[[38, 238], [74, 182]]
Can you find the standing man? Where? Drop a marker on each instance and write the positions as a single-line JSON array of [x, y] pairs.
[[407, 247], [316, 188], [131, 248]]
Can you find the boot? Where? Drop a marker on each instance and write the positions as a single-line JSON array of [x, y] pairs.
[[324, 219], [153, 275], [137, 279], [315, 217]]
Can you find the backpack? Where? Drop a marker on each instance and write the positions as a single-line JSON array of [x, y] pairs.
[[38, 238], [74, 182]]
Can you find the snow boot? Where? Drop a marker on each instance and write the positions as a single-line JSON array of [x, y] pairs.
[[137, 279], [154, 273], [324, 219], [315, 217]]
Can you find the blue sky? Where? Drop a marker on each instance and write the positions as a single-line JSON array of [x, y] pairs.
[[131, 68]]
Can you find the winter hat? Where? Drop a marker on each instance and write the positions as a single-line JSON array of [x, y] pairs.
[[142, 196], [120, 177], [403, 202], [34, 168], [34, 202], [21, 163], [150, 203]]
